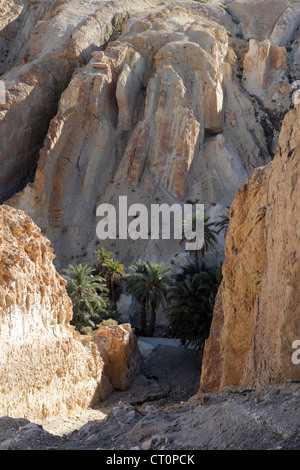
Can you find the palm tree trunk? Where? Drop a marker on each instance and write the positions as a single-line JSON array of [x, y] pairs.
[[143, 319], [152, 318], [112, 290], [197, 260]]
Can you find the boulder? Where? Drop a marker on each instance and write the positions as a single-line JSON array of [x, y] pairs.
[[286, 25], [118, 347]]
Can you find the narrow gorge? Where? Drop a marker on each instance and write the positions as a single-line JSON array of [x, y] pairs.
[[170, 103]]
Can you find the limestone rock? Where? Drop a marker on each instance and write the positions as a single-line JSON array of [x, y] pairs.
[[45, 367], [265, 74], [286, 25], [43, 44], [259, 19], [119, 349], [257, 316], [242, 271], [144, 125]]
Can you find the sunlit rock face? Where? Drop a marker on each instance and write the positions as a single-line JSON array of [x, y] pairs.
[[256, 323], [45, 367], [265, 74], [118, 347], [159, 115]]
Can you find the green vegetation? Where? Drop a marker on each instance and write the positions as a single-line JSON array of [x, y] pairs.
[[187, 298], [191, 299], [148, 283], [93, 292], [88, 294], [223, 221], [102, 256], [112, 272], [210, 233], [133, 288], [192, 293]]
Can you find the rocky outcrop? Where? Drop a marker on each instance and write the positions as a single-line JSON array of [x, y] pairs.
[[286, 25], [45, 367], [119, 349], [266, 19], [257, 317], [43, 43], [158, 116], [18, 21], [265, 74]]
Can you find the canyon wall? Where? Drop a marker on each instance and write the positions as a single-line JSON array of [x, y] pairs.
[[46, 367], [42, 44], [257, 313], [151, 104]]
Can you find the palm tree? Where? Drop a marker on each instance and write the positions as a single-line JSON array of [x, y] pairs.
[[88, 294], [156, 283], [150, 286], [112, 271], [102, 256], [192, 297], [224, 220], [136, 290], [210, 239]]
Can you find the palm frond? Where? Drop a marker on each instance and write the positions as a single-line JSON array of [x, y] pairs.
[[88, 294], [223, 221]]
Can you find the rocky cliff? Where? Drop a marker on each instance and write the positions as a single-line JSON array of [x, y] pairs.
[[157, 102], [257, 313], [46, 367]]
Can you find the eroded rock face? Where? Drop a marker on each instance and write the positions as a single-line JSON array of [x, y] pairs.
[[45, 368], [43, 43], [266, 19], [158, 116], [257, 313], [265, 74], [286, 25], [119, 349]]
